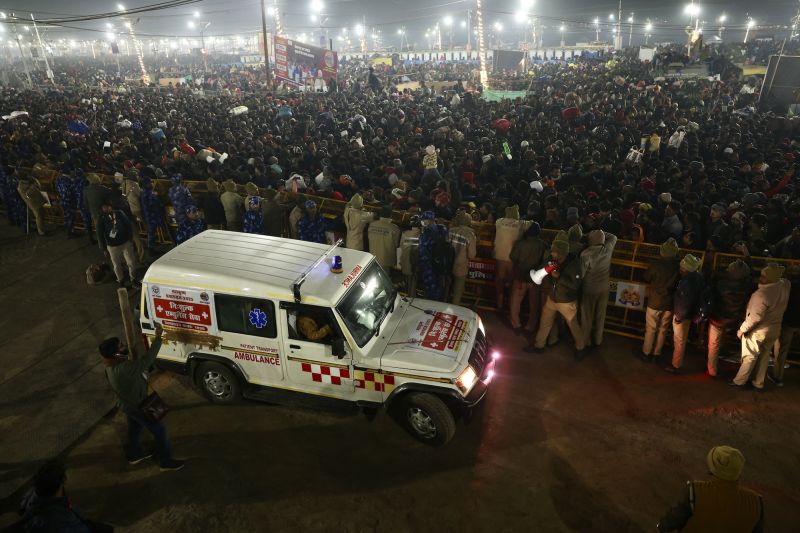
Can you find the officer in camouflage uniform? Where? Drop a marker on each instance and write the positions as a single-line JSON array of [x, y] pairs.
[[312, 226], [66, 191], [152, 211], [15, 207], [253, 218], [431, 280], [180, 197], [192, 225]]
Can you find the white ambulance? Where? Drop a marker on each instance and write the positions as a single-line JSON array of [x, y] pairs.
[[292, 322]]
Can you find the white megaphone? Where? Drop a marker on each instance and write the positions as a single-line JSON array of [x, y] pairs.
[[538, 275]]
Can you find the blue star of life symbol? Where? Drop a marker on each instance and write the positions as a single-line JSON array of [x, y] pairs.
[[258, 318]]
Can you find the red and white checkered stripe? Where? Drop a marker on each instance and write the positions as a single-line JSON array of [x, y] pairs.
[[326, 374]]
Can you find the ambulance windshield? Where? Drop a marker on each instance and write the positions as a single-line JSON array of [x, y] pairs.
[[367, 303]]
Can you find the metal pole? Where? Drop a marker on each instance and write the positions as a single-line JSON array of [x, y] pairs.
[[203, 51], [630, 35], [266, 44], [44, 52], [22, 54], [469, 30], [618, 40]]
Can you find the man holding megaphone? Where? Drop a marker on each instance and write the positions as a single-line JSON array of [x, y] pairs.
[[565, 269]]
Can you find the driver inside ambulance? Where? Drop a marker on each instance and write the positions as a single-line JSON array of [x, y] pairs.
[[313, 327]]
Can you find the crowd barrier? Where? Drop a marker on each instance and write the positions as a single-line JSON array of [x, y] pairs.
[[625, 313]]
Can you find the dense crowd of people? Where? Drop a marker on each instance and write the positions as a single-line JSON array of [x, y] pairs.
[[598, 147]]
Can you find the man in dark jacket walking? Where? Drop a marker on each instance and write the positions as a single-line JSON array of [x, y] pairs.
[[115, 233], [562, 300], [130, 386], [527, 254], [684, 306], [661, 276], [274, 214], [95, 194], [731, 293]]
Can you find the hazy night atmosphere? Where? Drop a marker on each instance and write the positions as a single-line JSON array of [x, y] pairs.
[[399, 266]]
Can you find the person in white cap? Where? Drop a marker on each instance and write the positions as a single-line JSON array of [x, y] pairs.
[[762, 325], [719, 504]]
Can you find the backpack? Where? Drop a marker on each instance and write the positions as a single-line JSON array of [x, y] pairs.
[[443, 255]]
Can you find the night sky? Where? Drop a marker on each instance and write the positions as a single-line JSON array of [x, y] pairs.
[[243, 16]]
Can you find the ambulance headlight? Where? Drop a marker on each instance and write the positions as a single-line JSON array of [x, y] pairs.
[[467, 379], [481, 327]]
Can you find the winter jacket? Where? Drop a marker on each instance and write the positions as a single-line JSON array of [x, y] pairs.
[[311, 229], [568, 285], [127, 382], [409, 250], [465, 244], [687, 296], [356, 220], [507, 232], [114, 229], [596, 264], [661, 277], [93, 197], [730, 297], [766, 306], [527, 254], [232, 203], [384, 238], [132, 192], [274, 217]]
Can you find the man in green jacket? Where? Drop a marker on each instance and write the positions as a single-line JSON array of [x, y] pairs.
[[563, 299], [129, 382], [661, 277], [528, 253]]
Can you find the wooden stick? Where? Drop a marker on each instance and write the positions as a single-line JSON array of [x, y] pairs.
[[127, 320]]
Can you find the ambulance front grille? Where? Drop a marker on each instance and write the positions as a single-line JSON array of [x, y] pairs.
[[479, 356]]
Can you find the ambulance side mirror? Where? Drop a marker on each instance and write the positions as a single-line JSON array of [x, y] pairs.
[[337, 347]]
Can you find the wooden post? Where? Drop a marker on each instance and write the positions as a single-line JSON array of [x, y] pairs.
[[127, 321]]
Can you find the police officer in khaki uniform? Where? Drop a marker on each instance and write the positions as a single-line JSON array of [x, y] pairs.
[[719, 504], [596, 264], [661, 277], [465, 244], [507, 231], [232, 203], [356, 220], [384, 238], [31, 193]]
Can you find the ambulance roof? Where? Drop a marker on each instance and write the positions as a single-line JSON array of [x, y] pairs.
[[256, 265]]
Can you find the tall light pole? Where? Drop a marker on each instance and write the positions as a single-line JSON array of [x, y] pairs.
[[647, 29], [481, 47], [18, 38], [202, 25], [618, 43], [630, 34], [561, 29], [448, 21], [693, 10], [722, 19], [597, 29], [44, 52], [264, 11], [750, 24]]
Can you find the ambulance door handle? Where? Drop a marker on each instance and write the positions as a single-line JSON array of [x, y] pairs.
[[294, 346]]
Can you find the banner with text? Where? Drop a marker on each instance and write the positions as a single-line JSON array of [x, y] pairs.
[[303, 64]]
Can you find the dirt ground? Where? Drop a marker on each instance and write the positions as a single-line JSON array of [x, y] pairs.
[[602, 445]]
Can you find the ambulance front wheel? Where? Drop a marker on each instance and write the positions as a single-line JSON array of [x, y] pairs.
[[428, 418], [219, 383]]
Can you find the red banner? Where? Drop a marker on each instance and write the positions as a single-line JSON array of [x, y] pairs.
[[179, 313]]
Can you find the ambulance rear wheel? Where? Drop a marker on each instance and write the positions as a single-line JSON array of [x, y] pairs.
[[428, 419], [219, 383]]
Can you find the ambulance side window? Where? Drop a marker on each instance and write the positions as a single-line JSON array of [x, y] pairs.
[[248, 316]]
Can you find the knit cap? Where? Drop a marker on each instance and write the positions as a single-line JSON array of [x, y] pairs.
[[251, 188], [561, 236], [690, 263], [738, 269], [725, 462], [669, 248], [596, 237], [772, 272], [562, 247], [575, 233], [356, 202]]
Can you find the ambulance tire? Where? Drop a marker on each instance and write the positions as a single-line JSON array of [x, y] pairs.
[[428, 418], [218, 383]]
